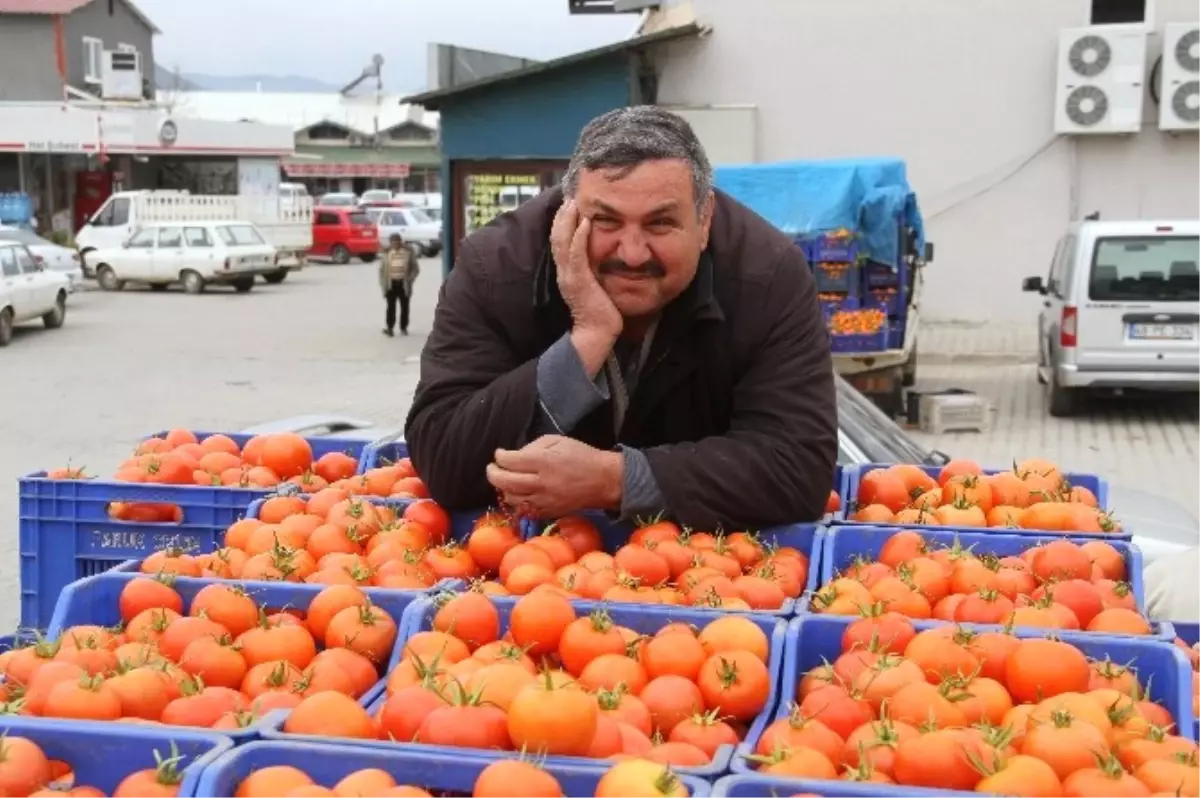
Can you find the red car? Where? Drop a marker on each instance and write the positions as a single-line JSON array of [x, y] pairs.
[[344, 233]]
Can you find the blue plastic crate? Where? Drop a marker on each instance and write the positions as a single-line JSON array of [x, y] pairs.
[[831, 306], [1189, 633], [752, 785], [844, 543], [435, 772], [881, 275], [94, 601], [66, 534], [837, 278], [384, 452], [645, 619], [804, 537], [869, 342], [830, 249], [814, 640], [1097, 485], [104, 754], [892, 303]]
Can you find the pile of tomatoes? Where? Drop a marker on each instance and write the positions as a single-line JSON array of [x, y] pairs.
[[559, 684], [266, 461], [331, 537], [25, 770], [951, 709], [863, 321], [1058, 585], [661, 564], [222, 665], [629, 779], [1033, 495]]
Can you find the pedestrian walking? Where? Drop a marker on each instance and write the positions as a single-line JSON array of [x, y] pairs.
[[398, 270]]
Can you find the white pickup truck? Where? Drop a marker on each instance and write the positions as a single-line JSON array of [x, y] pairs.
[[287, 225]]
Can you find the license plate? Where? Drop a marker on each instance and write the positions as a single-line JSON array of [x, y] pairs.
[[1162, 332]]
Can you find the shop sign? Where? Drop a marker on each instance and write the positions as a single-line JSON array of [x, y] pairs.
[[489, 195], [326, 169], [51, 145]]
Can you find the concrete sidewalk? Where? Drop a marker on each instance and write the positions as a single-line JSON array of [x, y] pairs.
[[947, 343]]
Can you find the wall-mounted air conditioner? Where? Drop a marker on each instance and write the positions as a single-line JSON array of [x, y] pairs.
[[1101, 70], [121, 75], [1179, 92]]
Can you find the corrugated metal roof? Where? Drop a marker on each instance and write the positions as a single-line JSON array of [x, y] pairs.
[[298, 110], [432, 99], [55, 7]]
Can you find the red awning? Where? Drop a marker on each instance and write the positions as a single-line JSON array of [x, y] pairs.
[[327, 169]]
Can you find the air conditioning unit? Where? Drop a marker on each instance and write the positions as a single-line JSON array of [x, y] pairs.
[[1179, 94], [121, 75], [1100, 74]]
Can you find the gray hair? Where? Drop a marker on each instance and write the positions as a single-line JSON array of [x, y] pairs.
[[627, 137]]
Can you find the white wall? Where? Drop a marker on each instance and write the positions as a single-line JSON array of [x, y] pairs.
[[963, 90]]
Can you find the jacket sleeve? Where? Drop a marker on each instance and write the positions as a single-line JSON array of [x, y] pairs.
[[474, 395], [775, 465]]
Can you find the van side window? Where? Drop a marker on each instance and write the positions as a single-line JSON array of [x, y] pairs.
[[120, 211]]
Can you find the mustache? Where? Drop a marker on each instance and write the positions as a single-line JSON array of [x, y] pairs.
[[650, 268]]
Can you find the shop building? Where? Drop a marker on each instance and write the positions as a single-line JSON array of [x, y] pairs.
[[507, 137], [342, 142], [78, 119]]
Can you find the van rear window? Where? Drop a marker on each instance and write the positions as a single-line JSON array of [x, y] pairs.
[[1146, 269]]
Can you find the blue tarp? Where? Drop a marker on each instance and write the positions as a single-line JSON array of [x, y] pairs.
[[805, 198]]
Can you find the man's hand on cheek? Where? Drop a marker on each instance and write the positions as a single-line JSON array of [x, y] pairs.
[[556, 476]]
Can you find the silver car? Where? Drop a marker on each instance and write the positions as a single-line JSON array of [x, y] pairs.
[[1120, 310]]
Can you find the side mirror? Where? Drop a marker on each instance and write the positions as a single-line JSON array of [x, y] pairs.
[[1033, 285]]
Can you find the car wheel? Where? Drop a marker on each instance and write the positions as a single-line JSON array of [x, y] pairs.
[[1060, 400], [159, 287], [340, 255], [275, 278], [6, 326], [193, 283], [55, 318], [367, 258], [243, 286], [108, 278]]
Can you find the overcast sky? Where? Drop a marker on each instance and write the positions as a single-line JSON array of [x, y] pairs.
[[333, 40]]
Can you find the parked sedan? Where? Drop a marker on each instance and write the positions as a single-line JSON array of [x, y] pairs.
[[28, 291], [54, 257], [414, 226], [194, 254]]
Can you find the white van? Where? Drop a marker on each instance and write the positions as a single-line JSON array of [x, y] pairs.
[[1121, 310]]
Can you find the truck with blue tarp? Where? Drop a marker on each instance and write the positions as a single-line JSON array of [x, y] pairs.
[[860, 227]]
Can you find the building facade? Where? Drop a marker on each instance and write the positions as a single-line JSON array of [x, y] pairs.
[[965, 94], [78, 119], [342, 143]]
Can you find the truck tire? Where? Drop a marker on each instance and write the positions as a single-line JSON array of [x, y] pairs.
[[275, 278], [108, 278], [193, 283], [340, 255], [55, 318], [244, 285]]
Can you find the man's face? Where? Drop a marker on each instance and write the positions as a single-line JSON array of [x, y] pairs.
[[646, 236]]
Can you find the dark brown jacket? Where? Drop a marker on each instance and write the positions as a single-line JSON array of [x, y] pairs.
[[735, 409]]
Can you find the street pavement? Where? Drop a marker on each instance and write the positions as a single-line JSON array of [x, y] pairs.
[[131, 363]]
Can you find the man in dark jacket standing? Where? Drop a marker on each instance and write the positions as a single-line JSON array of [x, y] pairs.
[[634, 342]]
